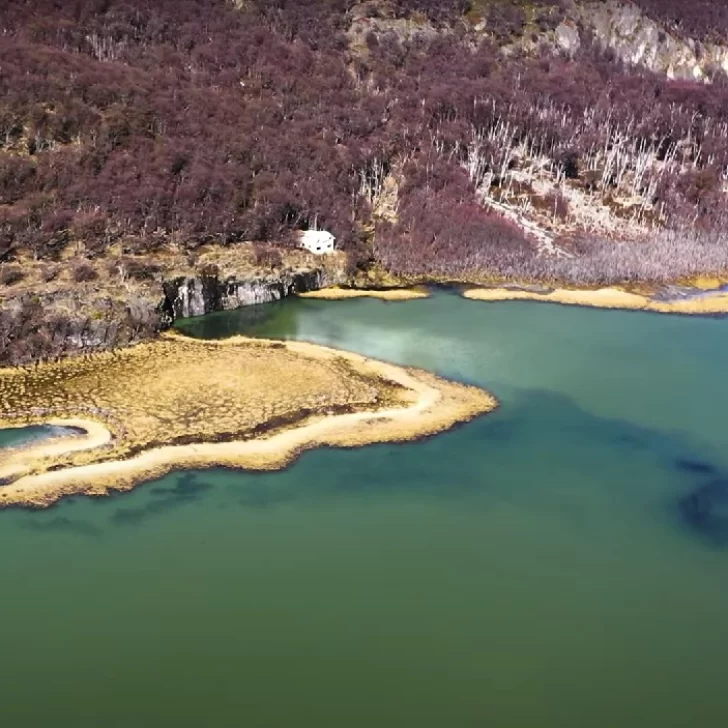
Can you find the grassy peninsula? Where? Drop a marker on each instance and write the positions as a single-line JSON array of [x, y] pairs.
[[180, 402]]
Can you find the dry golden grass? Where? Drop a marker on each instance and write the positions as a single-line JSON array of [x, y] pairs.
[[716, 303], [178, 389], [705, 283], [390, 294], [185, 402]]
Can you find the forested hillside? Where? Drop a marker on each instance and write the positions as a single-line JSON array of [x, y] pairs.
[[433, 137]]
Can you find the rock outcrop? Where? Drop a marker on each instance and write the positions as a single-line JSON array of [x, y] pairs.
[[92, 317], [619, 25], [639, 40], [185, 297]]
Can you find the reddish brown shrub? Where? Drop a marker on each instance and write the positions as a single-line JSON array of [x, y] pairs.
[[84, 272]]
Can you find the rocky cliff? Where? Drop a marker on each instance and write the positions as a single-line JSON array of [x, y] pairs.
[[635, 38], [69, 319], [639, 40], [619, 25], [185, 297]]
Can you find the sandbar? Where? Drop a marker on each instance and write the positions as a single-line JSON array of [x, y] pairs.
[[186, 403], [616, 298], [386, 294]]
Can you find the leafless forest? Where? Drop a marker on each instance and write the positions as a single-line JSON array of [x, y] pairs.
[[190, 121]]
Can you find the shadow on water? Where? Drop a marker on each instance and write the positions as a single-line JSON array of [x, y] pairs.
[[187, 488]]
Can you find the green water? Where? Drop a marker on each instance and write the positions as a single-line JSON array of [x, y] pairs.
[[17, 436], [531, 568]]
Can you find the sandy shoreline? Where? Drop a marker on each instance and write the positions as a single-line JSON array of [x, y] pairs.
[[388, 294], [426, 405], [614, 298]]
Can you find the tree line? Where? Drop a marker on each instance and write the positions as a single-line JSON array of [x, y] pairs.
[[191, 121]]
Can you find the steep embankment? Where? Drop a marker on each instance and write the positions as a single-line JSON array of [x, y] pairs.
[[188, 296]]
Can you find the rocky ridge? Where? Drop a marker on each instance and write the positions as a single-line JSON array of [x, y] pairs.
[[618, 25], [185, 296]]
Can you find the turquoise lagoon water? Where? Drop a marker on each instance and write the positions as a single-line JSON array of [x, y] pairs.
[[532, 568], [16, 436]]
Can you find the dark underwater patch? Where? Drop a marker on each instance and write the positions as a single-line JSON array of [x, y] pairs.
[[187, 489], [705, 510], [700, 467], [187, 486], [259, 497], [62, 523], [132, 516], [629, 440]]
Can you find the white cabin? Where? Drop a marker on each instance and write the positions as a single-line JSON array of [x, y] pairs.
[[317, 241]]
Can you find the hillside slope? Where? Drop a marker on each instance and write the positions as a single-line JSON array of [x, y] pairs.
[[583, 142]]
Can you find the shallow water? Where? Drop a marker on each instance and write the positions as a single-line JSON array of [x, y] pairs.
[[532, 568], [17, 436]]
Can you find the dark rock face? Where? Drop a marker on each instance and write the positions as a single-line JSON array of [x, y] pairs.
[[75, 322], [192, 296]]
